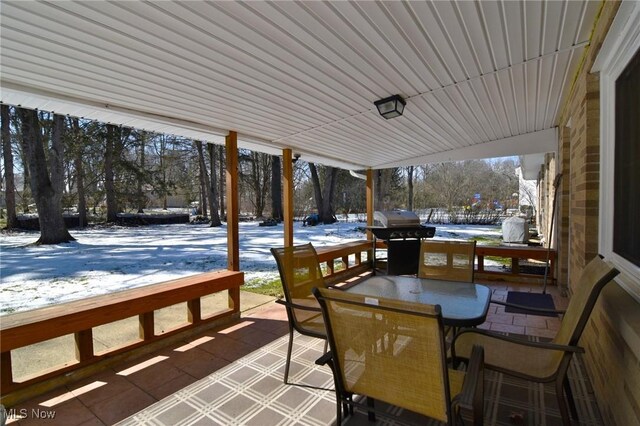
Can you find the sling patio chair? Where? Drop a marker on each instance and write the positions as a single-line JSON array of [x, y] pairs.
[[300, 272], [447, 260], [543, 362], [394, 352]]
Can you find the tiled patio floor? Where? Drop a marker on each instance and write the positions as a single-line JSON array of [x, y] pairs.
[[117, 393]]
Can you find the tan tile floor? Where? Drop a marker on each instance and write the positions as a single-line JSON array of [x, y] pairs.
[[119, 392]]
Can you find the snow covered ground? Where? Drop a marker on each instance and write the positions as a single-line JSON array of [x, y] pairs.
[[106, 259]]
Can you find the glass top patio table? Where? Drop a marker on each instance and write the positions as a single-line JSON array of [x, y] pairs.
[[463, 304]]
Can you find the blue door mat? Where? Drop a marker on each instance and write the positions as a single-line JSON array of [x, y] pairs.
[[531, 300]]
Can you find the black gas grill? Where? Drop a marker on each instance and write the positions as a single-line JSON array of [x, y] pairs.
[[401, 231]]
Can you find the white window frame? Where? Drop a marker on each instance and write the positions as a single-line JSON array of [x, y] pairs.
[[621, 43]]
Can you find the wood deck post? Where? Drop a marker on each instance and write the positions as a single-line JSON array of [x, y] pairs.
[[369, 202], [287, 176], [84, 344], [146, 325], [6, 371], [233, 243], [194, 311]]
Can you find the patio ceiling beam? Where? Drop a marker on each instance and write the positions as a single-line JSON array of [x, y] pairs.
[[542, 141]]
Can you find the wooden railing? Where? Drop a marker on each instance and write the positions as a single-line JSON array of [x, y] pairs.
[[515, 253], [80, 317], [342, 262], [349, 259]]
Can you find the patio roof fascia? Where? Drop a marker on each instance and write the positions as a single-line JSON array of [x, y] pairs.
[[539, 142], [38, 99]]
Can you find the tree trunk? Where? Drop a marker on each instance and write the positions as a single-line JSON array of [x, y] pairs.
[[161, 152], [276, 188], [259, 181], [324, 194], [222, 181], [79, 166], [46, 179], [410, 188], [317, 189], [328, 191], [203, 179], [109, 175], [10, 189], [26, 186], [213, 188], [140, 196]]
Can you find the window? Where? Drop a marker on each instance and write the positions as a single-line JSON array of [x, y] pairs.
[[619, 67], [626, 173]]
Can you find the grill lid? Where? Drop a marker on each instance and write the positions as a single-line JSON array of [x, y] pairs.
[[396, 219]]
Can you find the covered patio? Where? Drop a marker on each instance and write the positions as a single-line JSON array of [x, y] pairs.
[[479, 80], [232, 374]]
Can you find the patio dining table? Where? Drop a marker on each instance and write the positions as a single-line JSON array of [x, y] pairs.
[[463, 304]]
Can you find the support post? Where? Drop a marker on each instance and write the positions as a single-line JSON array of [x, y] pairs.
[[84, 344], [369, 202], [194, 311], [6, 371], [287, 175], [233, 249], [146, 325], [233, 241]]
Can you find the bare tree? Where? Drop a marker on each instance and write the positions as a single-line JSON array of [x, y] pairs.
[[222, 181], [46, 179], [161, 150], [10, 187], [410, 188], [141, 173], [324, 194], [449, 182], [213, 187], [78, 161], [276, 188], [203, 179], [255, 174], [110, 155], [25, 195], [388, 183]]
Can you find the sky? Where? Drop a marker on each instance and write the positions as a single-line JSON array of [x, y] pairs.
[[104, 259]]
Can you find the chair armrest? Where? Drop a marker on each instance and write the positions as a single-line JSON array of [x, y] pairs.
[[324, 359], [529, 308], [494, 335], [296, 306], [472, 395]]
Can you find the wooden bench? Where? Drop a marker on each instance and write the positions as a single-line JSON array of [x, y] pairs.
[[515, 254]]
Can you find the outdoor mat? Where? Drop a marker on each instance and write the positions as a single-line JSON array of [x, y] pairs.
[[250, 392], [532, 300]]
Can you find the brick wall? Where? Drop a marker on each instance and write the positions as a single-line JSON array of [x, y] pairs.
[[584, 161], [612, 336], [563, 207]]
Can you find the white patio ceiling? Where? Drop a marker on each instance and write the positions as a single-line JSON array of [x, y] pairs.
[[481, 79]]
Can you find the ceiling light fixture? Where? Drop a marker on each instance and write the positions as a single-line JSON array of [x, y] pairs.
[[391, 107]]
